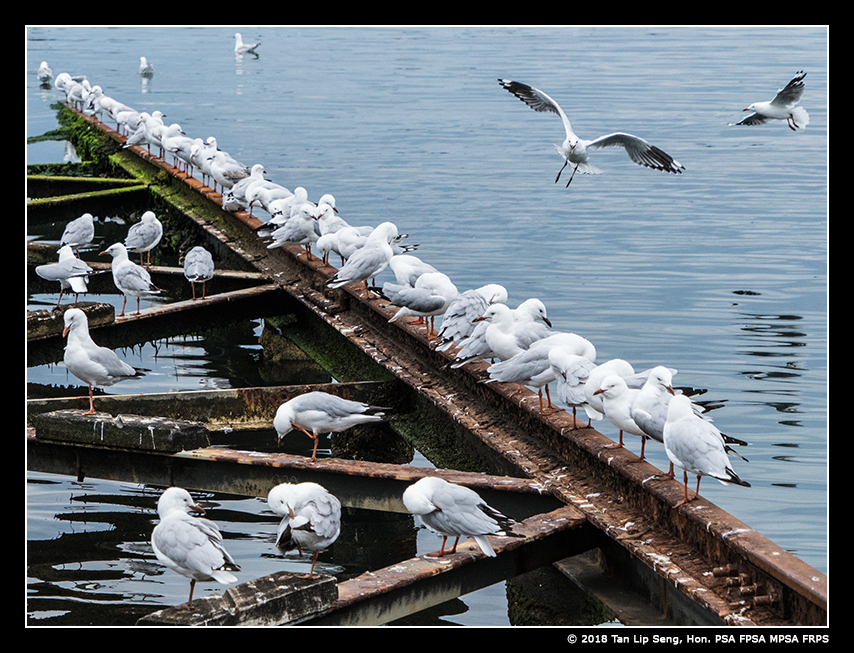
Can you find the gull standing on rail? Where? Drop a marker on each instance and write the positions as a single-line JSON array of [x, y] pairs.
[[91, 363], [71, 272], [696, 446], [79, 232], [574, 150], [369, 260], [144, 236], [198, 268], [453, 510], [190, 546], [782, 107], [131, 279], [317, 412], [311, 518]]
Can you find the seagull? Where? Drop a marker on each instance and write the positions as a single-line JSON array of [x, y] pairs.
[[317, 412], [696, 446], [532, 366], [453, 510], [71, 272], [300, 229], [782, 107], [44, 73], [369, 260], [91, 363], [502, 332], [144, 236], [79, 232], [190, 546], [431, 295], [198, 268], [131, 279], [574, 150], [226, 170], [311, 518], [145, 68], [457, 321], [244, 48], [571, 372], [617, 400]]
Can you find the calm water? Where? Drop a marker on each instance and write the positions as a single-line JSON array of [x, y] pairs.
[[720, 272]]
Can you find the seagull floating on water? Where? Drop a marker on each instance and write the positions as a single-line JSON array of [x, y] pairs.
[[574, 150], [311, 518], [190, 546], [453, 510], [244, 48], [317, 412], [782, 107], [91, 363], [145, 68]]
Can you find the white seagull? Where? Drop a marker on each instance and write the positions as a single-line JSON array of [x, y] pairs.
[[458, 320], [696, 446], [91, 363], [453, 510], [571, 372], [782, 107], [317, 412], [574, 150], [532, 366], [190, 546], [131, 279], [244, 48], [198, 268], [71, 272], [145, 68], [79, 232], [144, 236], [502, 332], [311, 518], [430, 296], [617, 400], [44, 73], [370, 259]]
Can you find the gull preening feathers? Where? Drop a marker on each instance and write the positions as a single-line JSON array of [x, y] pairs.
[[782, 107], [317, 412], [311, 518], [190, 546], [453, 510], [574, 150]]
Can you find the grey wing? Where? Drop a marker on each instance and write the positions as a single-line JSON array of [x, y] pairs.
[[753, 119], [639, 151], [114, 366], [416, 299], [135, 278], [791, 93], [333, 405]]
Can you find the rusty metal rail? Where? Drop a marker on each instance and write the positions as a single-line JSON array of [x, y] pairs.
[[700, 554]]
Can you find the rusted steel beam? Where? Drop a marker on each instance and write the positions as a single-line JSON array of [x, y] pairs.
[[277, 600], [380, 596]]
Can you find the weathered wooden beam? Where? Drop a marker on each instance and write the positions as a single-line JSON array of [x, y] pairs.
[[277, 600]]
